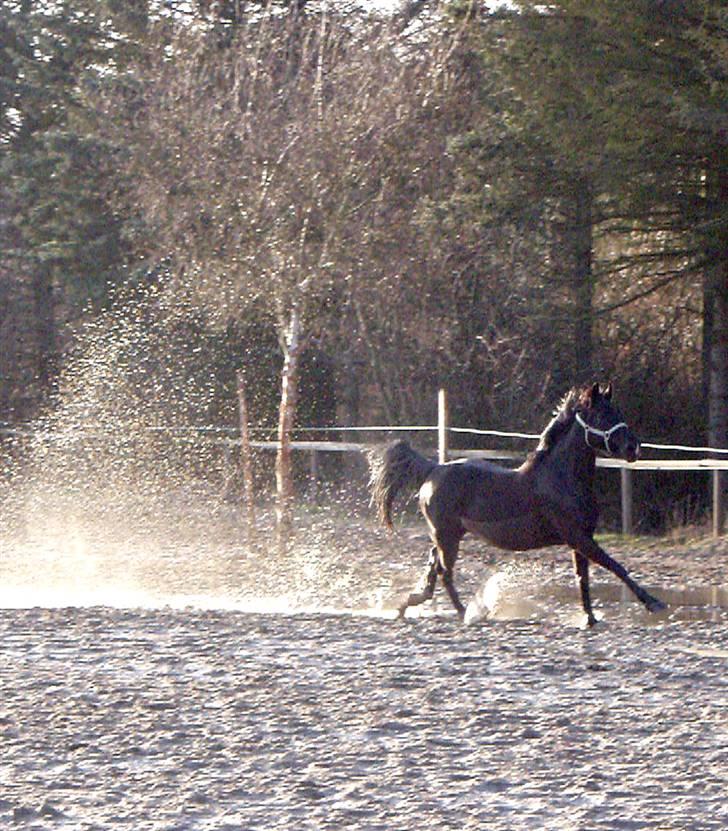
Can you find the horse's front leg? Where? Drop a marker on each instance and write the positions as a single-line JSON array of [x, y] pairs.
[[581, 568], [583, 543], [428, 584]]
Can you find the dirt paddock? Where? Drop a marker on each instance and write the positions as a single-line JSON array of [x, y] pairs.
[[221, 720], [190, 718]]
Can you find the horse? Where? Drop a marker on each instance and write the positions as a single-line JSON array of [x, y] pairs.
[[548, 500]]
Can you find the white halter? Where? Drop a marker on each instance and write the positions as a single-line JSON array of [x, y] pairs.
[[604, 435]]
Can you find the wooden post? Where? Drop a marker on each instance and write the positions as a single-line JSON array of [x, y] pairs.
[[443, 424], [314, 475], [626, 481], [718, 504], [245, 457]]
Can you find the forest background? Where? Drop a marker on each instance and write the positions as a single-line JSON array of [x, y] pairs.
[[355, 205]]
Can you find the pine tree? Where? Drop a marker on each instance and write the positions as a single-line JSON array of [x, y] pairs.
[[62, 242], [631, 97]]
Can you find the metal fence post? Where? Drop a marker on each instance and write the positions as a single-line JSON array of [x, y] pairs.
[[313, 475]]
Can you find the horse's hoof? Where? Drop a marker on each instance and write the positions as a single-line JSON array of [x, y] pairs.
[[654, 605]]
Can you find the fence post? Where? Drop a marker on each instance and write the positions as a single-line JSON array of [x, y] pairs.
[[245, 457], [443, 425], [626, 482], [313, 475], [718, 504]]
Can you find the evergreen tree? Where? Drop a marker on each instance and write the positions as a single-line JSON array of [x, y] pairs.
[[630, 98], [62, 242]]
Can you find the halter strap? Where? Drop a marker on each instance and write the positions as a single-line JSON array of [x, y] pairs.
[[604, 435]]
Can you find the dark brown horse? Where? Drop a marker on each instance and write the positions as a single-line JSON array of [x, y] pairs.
[[548, 500]]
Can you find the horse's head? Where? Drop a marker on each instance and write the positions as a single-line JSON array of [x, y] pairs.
[[605, 429]]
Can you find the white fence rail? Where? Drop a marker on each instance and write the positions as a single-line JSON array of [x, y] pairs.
[[713, 466]]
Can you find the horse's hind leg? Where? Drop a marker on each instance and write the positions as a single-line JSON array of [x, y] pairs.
[[448, 542], [581, 568], [428, 584]]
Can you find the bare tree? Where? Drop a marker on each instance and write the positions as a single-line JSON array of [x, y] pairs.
[[257, 166]]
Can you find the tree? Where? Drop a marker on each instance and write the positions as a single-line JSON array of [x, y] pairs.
[[633, 96], [63, 245], [256, 165]]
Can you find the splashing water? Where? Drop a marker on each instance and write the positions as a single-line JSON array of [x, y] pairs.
[[103, 504], [510, 593]]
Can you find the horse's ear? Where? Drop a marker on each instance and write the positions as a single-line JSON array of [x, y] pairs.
[[593, 394], [608, 391]]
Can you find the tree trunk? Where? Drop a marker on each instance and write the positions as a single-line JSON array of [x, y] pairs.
[[292, 347], [718, 390], [45, 328], [718, 394], [582, 235], [716, 316], [246, 458], [9, 358]]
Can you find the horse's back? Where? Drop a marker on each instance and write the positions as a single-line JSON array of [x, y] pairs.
[[459, 487], [495, 503]]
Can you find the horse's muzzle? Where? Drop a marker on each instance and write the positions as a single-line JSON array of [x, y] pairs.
[[632, 451]]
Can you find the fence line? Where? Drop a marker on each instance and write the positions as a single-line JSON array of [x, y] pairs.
[[705, 464], [443, 429], [716, 466], [466, 453], [381, 428], [505, 434]]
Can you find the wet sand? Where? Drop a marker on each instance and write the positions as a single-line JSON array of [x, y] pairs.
[[187, 719]]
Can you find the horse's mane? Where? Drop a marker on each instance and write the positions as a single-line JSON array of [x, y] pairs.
[[563, 416]]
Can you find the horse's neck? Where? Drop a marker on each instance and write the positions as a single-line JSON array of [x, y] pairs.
[[574, 457]]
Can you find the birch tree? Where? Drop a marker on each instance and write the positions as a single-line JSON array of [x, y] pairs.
[[254, 164]]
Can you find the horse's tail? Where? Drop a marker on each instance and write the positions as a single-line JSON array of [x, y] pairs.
[[400, 467]]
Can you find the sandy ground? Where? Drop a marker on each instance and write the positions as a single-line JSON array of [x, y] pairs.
[[221, 720], [191, 706]]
